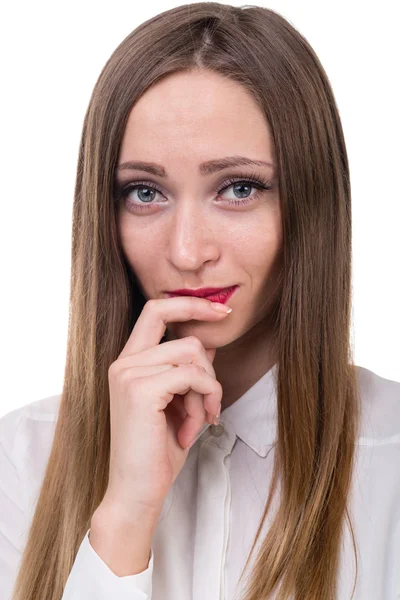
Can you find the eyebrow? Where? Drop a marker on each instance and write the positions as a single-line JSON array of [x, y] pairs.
[[206, 168]]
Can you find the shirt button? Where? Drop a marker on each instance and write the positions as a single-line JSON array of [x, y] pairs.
[[217, 430]]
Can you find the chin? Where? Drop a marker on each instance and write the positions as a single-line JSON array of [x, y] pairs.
[[210, 337]]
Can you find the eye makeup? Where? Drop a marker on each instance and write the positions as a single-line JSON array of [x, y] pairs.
[[261, 185]]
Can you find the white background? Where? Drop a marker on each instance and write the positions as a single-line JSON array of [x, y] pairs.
[[51, 57]]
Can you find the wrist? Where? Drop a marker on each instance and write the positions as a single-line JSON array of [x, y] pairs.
[[118, 516], [125, 546]]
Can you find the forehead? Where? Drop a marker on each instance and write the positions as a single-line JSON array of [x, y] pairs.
[[196, 112]]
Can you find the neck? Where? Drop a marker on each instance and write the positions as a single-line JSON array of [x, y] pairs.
[[241, 364]]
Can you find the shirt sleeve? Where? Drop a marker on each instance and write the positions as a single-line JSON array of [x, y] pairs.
[[92, 579]]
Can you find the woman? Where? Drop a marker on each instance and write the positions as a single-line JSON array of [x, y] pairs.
[[212, 155]]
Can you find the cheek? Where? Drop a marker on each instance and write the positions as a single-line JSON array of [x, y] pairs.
[[141, 253], [259, 249]]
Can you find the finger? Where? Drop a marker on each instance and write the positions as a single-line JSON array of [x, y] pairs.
[[210, 353], [183, 351], [180, 351], [179, 381], [194, 420], [138, 371], [151, 324], [178, 405]]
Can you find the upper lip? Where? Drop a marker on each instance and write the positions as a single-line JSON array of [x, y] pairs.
[[200, 291]]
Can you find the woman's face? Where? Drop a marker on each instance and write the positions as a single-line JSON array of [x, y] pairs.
[[179, 229]]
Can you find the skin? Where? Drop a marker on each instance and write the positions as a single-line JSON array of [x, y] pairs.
[[191, 237]]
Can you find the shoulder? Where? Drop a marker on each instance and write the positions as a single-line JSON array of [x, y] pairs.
[[26, 417], [380, 406], [26, 437], [44, 408]]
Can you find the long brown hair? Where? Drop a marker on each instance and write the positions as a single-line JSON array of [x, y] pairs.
[[317, 389]]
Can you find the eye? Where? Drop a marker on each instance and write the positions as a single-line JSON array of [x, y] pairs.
[[146, 192], [242, 186]]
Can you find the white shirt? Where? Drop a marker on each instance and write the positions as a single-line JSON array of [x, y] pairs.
[[211, 513]]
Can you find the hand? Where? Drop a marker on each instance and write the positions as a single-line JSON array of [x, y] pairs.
[[157, 409]]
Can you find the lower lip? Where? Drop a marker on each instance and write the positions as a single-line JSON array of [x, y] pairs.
[[222, 297]]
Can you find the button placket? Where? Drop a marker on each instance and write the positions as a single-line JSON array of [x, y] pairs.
[[212, 515]]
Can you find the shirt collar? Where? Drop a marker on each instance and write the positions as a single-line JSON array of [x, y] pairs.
[[253, 417]]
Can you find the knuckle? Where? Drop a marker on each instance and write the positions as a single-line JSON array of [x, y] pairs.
[[150, 304], [195, 345], [192, 339], [112, 369], [219, 387], [125, 376]]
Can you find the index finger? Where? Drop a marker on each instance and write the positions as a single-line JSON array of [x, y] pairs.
[[152, 322]]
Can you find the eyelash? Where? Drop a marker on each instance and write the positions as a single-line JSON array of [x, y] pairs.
[[261, 185]]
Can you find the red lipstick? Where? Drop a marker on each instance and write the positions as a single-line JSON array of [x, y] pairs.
[[214, 294]]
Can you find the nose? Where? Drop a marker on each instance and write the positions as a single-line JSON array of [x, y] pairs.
[[192, 237]]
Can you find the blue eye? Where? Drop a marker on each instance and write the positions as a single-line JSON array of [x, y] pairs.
[[246, 183], [150, 190]]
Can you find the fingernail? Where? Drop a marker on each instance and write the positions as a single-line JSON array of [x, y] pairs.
[[221, 307], [216, 419]]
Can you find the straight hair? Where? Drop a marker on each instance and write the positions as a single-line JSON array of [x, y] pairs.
[[318, 403]]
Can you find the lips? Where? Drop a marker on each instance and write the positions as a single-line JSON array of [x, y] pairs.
[[214, 294]]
